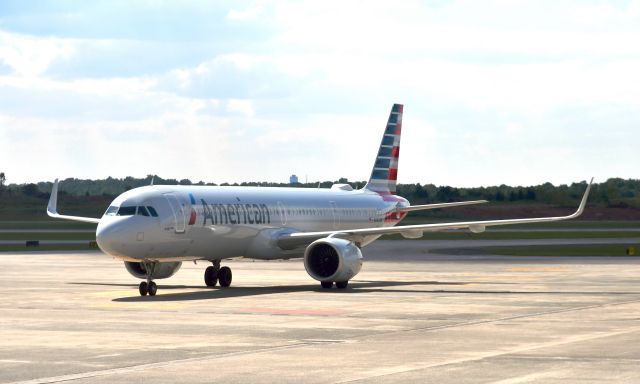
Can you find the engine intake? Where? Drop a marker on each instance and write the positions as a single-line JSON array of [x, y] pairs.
[[161, 270], [332, 259]]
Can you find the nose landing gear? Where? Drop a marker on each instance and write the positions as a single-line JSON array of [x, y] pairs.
[[148, 287], [215, 274]]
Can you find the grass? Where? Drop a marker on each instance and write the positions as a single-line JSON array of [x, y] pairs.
[[491, 234], [496, 235], [578, 224], [48, 236], [573, 224], [562, 250], [459, 235], [44, 224], [19, 207], [53, 247]]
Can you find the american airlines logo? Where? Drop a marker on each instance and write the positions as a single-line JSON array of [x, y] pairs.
[[235, 213]]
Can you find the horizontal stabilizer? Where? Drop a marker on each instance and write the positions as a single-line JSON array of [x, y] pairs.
[[440, 205]]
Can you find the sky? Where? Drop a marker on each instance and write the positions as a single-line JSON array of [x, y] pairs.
[[495, 92]]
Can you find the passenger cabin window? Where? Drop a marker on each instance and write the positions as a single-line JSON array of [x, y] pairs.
[[111, 211], [127, 211], [152, 211], [142, 211]]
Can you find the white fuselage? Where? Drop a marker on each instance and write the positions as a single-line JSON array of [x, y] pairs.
[[214, 223]]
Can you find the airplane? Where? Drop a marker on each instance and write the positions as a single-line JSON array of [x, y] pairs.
[[155, 228]]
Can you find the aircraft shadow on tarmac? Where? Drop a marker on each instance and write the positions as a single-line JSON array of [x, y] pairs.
[[355, 287], [205, 293]]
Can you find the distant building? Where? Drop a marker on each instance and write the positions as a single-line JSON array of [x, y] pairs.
[[293, 179]]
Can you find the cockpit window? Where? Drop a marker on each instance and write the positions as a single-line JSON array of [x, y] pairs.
[[152, 211], [111, 211], [130, 211], [127, 211]]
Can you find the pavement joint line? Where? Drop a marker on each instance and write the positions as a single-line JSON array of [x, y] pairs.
[[160, 364], [582, 359], [597, 314], [527, 347], [487, 321]]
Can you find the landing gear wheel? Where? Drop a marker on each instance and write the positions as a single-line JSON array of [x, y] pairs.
[[152, 288], [148, 286], [211, 276], [224, 276], [143, 288], [341, 284], [326, 284]]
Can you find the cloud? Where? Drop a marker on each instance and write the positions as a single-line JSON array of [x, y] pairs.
[[246, 90], [184, 21], [88, 99], [29, 56], [243, 107], [233, 76], [248, 14]]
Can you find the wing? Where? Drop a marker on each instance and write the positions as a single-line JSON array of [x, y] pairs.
[[52, 209], [297, 239]]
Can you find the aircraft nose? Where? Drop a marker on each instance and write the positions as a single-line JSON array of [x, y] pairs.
[[110, 236]]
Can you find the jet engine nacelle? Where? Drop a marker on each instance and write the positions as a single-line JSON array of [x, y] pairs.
[[161, 270], [332, 259]]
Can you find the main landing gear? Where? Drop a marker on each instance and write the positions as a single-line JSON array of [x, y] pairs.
[[339, 284], [148, 287], [216, 274]]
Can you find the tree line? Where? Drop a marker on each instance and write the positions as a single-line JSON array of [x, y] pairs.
[[615, 192]]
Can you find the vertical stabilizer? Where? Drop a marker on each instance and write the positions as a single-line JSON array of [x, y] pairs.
[[385, 169]]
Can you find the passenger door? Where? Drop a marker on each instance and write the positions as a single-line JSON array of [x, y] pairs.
[[179, 212]]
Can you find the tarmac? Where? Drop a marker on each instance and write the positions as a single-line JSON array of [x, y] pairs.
[[410, 316]]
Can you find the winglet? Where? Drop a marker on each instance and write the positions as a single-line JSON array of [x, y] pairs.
[[583, 202], [52, 207]]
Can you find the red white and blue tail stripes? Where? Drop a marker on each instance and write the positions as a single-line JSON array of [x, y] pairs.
[[385, 170]]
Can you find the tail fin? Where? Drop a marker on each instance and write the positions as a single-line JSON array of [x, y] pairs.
[[385, 169]]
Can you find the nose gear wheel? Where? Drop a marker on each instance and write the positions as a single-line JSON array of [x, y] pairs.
[[148, 287]]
